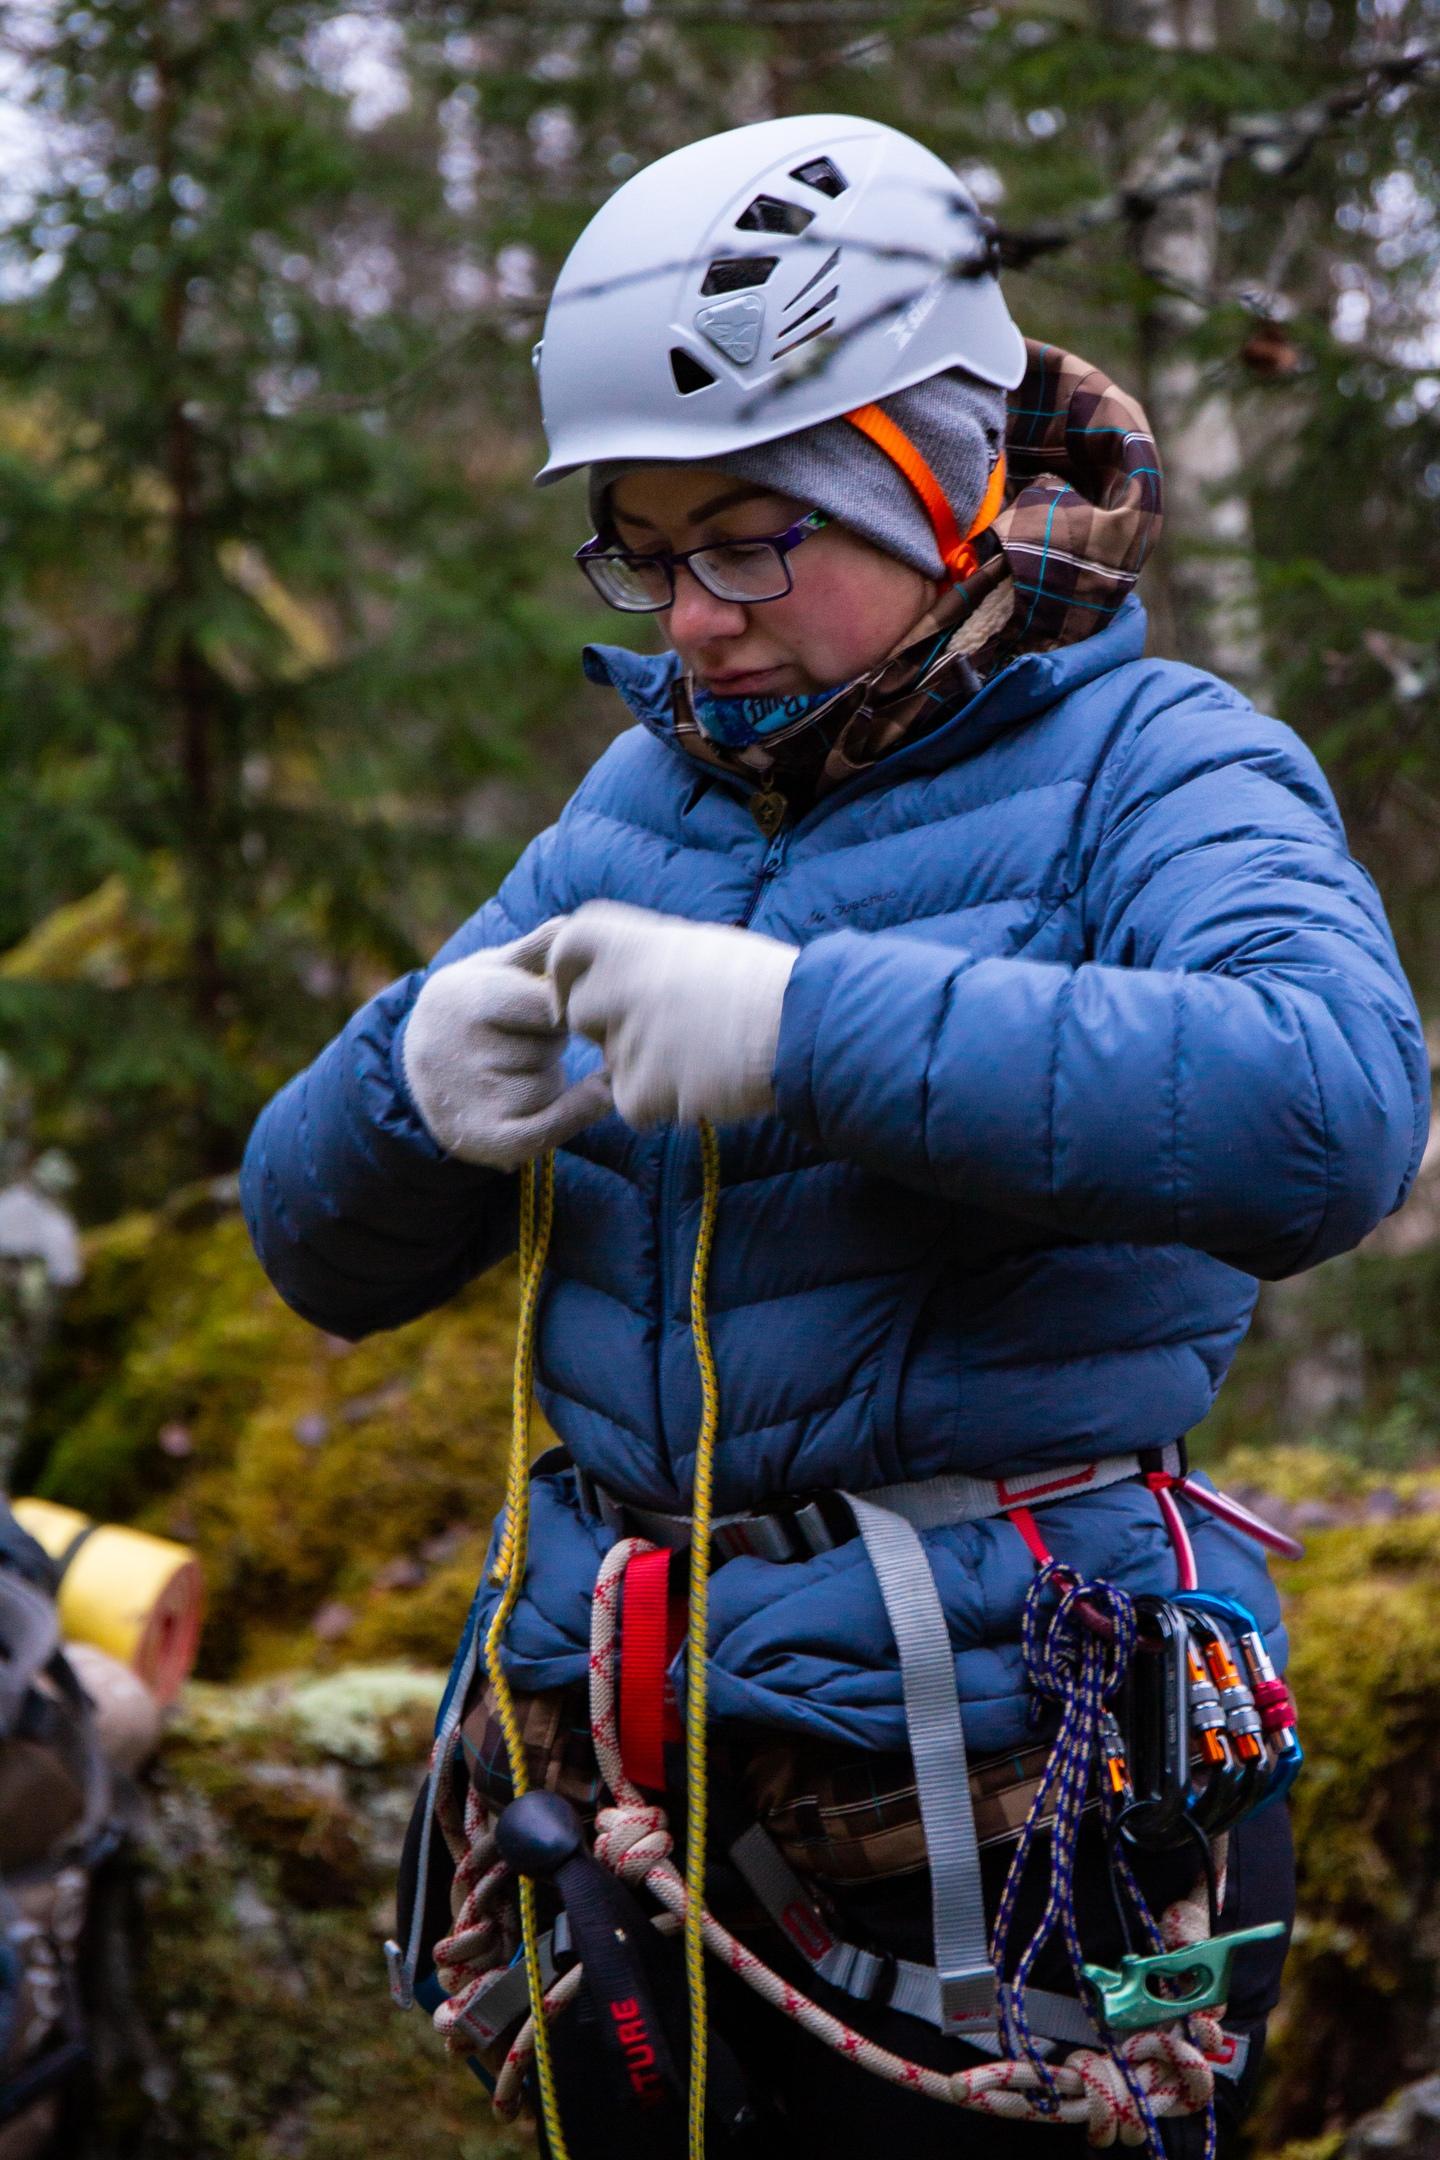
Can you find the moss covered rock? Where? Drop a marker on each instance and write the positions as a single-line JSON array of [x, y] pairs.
[[1362, 1992], [266, 1878], [339, 1494]]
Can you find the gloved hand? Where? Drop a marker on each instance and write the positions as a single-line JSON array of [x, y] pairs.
[[687, 1014], [481, 1052]]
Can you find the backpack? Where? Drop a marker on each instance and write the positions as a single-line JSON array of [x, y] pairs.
[[56, 1827]]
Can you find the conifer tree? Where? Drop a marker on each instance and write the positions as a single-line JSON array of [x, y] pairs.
[[287, 644], [270, 628]]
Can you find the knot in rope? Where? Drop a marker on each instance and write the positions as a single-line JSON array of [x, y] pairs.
[[632, 1840], [1173, 2064], [1071, 1650], [1155, 2073], [1111, 2111]]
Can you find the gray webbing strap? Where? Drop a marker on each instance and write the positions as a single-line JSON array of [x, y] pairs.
[[798, 1532], [894, 1983], [952, 1497], [916, 1990], [505, 1998], [942, 1774]]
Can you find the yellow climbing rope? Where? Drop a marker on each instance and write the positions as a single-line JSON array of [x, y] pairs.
[[537, 1213], [537, 1210], [697, 1642]]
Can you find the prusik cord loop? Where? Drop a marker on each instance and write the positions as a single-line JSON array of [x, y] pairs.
[[1070, 1664]]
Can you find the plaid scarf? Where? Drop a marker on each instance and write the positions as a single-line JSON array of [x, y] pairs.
[[1082, 511]]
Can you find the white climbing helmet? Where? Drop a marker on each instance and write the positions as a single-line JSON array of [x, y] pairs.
[[762, 281]]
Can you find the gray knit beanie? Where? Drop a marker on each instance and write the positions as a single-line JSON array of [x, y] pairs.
[[956, 422]]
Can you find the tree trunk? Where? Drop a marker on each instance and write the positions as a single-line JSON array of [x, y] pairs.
[[1202, 590]]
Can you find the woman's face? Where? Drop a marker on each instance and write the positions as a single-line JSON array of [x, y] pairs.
[[850, 605]]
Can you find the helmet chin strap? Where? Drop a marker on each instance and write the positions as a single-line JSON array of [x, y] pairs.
[[957, 554]]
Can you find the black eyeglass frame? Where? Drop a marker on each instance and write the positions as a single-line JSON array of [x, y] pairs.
[[781, 544]]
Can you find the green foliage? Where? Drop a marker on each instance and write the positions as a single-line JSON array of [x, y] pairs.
[[271, 637], [1364, 1327], [307, 1472]]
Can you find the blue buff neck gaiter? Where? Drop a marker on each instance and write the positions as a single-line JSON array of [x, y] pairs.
[[737, 722]]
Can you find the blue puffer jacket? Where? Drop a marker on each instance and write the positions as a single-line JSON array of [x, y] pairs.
[[1095, 1021]]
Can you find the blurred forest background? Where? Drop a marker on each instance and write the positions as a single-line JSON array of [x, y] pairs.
[[288, 674]]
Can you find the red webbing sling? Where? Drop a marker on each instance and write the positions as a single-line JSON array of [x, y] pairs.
[[652, 1628]]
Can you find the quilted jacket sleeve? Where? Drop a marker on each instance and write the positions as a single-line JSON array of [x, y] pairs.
[[359, 1219], [1238, 1064]]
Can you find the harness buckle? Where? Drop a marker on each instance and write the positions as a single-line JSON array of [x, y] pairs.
[[402, 1994], [970, 1996], [771, 1536], [867, 1976]]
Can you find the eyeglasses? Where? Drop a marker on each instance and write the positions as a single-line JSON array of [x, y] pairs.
[[744, 570]]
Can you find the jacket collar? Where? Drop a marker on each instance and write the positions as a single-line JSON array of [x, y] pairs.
[[645, 681], [1030, 683]]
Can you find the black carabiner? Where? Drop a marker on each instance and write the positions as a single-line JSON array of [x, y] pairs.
[[1154, 1712]]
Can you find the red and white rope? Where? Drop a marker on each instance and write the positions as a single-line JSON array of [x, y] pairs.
[[632, 1838]]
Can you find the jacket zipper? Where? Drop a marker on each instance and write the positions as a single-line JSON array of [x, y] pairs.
[[663, 1226], [769, 865]]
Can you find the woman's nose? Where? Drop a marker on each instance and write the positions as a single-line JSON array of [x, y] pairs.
[[696, 614]]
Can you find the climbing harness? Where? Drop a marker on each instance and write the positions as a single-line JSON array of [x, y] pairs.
[[1171, 1707]]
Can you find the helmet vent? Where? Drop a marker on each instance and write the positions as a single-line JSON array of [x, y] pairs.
[[825, 300], [733, 273], [769, 214], [811, 282], [822, 174], [689, 373], [804, 337]]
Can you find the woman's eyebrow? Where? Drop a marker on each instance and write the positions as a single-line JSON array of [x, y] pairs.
[[726, 500]]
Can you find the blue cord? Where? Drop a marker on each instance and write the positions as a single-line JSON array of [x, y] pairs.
[[1068, 1662]]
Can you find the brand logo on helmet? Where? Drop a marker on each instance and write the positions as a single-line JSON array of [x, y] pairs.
[[906, 325], [734, 326]]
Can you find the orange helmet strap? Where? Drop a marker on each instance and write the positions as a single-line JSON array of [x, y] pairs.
[[956, 553]]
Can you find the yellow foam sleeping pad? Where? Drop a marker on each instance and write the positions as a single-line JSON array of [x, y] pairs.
[[138, 1597], [537, 1208]]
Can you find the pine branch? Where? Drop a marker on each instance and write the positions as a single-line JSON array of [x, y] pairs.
[[1276, 143], [716, 14]]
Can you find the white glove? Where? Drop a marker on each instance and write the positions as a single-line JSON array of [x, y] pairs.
[[482, 1050], [687, 1014]]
